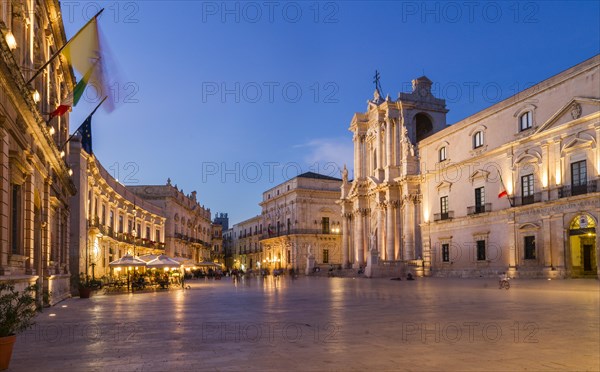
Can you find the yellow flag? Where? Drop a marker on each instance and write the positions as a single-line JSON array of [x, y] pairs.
[[83, 50]]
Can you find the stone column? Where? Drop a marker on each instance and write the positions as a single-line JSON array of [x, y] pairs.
[[545, 171], [345, 240], [389, 151], [512, 247], [28, 220], [5, 187], [380, 230], [547, 241], [359, 255], [46, 226], [356, 140], [378, 147], [398, 254], [409, 241], [390, 233]]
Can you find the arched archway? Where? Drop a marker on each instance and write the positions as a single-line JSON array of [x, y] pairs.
[[582, 245], [423, 126]]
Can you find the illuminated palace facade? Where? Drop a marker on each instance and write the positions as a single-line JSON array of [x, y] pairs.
[[189, 229], [108, 220], [35, 184], [299, 227], [513, 188]]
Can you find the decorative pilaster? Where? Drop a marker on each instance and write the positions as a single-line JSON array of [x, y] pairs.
[[4, 198], [42, 266], [28, 218]]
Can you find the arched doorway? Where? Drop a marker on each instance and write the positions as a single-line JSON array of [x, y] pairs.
[[582, 243]]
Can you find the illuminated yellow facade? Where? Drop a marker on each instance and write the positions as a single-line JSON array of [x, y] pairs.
[[35, 184], [107, 219]]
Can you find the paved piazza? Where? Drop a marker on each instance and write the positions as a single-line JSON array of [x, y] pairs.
[[323, 324]]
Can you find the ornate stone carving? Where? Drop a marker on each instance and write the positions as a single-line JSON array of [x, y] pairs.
[[576, 111]]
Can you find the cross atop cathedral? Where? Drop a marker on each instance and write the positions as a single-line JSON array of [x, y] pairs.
[[377, 81]]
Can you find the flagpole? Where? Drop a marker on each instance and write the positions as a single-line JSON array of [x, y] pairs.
[[504, 186], [61, 48], [92, 113]]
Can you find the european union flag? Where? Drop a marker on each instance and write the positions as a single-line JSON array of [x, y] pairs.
[[85, 130]]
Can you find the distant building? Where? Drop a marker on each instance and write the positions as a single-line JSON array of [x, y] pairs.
[[189, 231], [246, 247], [217, 254], [299, 227], [228, 254], [512, 188], [223, 220]]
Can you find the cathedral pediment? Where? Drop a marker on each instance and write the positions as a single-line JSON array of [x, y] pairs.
[[576, 108]]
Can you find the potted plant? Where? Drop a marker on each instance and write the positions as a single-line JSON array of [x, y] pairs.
[[17, 310], [84, 285]]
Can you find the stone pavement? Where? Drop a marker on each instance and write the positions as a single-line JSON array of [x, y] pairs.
[[321, 324]]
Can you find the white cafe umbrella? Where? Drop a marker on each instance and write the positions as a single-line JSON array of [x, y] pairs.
[[148, 257], [128, 260], [163, 261]]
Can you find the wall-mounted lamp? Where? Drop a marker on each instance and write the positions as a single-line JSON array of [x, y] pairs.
[[11, 41]]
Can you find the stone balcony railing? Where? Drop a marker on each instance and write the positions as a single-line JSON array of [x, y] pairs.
[[124, 237]]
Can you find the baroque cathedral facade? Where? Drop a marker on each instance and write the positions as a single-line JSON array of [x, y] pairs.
[[513, 188]]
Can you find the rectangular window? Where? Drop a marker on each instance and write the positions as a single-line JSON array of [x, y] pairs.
[[479, 200], [157, 235], [527, 189], [527, 185], [529, 243], [446, 252], [325, 255], [103, 214], [112, 220], [129, 226], [325, 225], [121, 224], [442, 154], [15, 219], [481, 250], [139, 230], [289, 255], [578, 178], [147, 232], [289, 225], [444, 206]]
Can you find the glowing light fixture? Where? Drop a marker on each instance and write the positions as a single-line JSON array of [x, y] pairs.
[[70, 172], [62, 153], [36, 96], [52, 131], [11, 41]]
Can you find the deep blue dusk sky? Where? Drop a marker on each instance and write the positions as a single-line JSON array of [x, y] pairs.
[[302, 69]]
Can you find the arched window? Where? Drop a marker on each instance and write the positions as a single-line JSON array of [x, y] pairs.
[[442, 153], [423, 126], [525, 121], [477, 139]]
